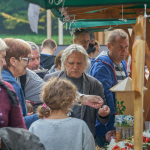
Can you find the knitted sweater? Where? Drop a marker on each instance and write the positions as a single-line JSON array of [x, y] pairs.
[[10, 116]]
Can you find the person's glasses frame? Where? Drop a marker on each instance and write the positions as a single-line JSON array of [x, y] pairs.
[[27, 59]]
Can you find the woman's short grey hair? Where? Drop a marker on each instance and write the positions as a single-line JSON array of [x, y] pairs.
[[33, 45], [118, 32], [3, 45], [74, 48]]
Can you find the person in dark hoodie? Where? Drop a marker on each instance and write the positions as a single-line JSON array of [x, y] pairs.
[[47, 53]]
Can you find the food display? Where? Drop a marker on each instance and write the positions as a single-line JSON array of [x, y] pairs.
[[124, 139], [124, 126]]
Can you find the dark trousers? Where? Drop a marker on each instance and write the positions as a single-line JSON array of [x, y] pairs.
[[101, 141]]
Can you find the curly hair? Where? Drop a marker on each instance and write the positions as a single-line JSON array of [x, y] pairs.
[[57, 94]]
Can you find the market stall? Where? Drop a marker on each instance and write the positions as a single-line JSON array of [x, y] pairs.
[[108, 15]]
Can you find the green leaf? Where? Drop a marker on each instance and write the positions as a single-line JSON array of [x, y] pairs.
[[124, 107], [121, 102]]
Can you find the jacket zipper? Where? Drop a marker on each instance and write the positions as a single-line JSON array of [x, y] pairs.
[[113, 71]]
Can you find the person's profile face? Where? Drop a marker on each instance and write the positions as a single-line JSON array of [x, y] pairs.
[[34, 61]]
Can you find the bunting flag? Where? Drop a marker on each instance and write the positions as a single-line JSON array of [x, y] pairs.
[[33, 16]]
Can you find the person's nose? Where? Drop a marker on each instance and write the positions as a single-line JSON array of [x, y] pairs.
[[37, 62], [87, 43], [75, 66]]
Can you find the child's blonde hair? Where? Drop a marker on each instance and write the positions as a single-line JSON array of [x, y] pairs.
[[57, 94]]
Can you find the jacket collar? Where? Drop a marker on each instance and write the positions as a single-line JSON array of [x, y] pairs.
[[7, 72], [86, 83], [86, 89]]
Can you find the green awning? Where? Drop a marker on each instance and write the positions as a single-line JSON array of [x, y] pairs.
[[87, 23], [84, 24], [49, 4]]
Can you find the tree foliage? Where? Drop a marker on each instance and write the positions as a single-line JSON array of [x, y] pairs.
[[14, 18]]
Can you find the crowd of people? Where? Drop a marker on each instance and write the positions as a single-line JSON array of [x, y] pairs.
[[65, 100]]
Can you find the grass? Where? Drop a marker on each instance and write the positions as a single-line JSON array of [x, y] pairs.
[[38, 39]]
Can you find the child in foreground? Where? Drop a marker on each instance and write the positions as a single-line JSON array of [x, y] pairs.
[[54, 128]]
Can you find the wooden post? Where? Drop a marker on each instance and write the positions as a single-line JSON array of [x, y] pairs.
[[99, 36], [49, 31], [138, 61], [147, 60]]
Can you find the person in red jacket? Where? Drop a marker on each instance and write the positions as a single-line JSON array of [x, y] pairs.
[[10, 111]]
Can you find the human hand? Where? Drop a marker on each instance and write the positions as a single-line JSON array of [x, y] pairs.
[[104, 111], [92, 100], [109, 134], [29, 114]]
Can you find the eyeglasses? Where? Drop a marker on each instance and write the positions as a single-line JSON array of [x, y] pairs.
[[27, 59]]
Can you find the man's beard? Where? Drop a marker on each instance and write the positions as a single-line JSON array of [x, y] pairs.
[[35, 67]]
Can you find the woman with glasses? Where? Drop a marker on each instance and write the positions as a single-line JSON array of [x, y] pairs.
[[10, 111], [17, 58]]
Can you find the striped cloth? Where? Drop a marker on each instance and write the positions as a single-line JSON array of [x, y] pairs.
[[120, 72]]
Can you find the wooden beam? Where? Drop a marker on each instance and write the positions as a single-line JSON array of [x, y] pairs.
[[101, 38], [140, 11], [106, 27], [133, 33], [104, 14], [147, 60], [138, 60], [78, 10], [75, 10], [118, 10]]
